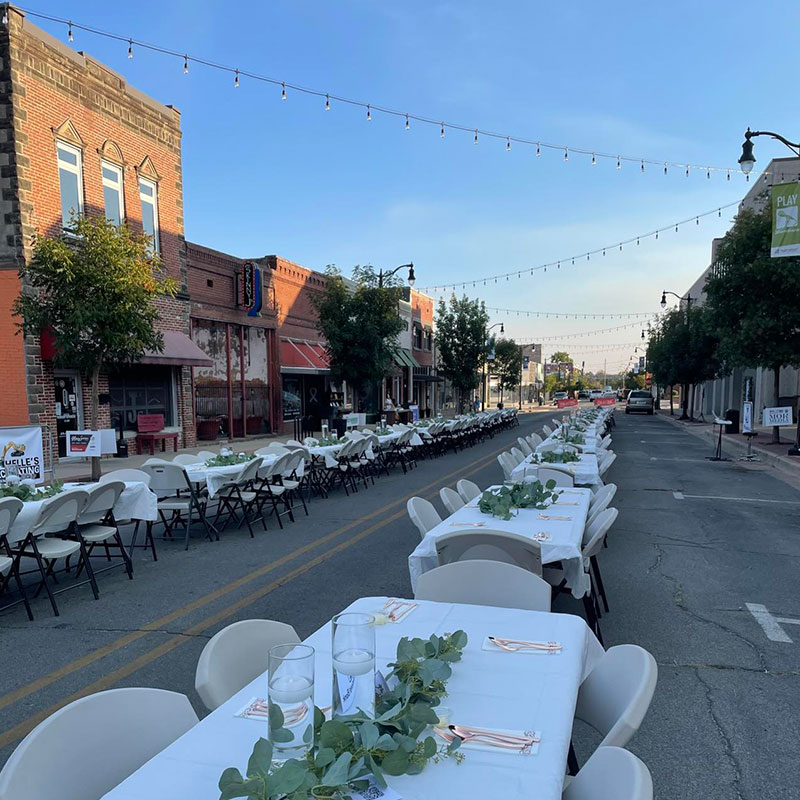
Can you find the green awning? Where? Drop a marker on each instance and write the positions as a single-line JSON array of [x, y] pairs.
[[403, 358]]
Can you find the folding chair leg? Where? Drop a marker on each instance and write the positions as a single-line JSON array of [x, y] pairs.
[[599, 579], [572, 761], [41, 566]]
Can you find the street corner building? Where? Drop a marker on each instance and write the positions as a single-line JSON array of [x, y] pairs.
[[76, 138]]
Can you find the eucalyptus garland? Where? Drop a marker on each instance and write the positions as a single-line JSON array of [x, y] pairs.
[[500, 502], [347, 750], [27, 493], [227, 461], [551, 457]]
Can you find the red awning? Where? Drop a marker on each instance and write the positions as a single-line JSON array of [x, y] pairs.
[[298, 355], [179, 350]]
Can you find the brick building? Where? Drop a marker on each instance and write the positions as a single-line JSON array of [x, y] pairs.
[[422, 350], [74, 136]]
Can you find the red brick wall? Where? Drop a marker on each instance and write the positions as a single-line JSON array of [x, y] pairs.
[[49, 92], [14, 408]]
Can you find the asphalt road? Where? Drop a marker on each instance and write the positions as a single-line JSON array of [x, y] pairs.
[[680, 568]]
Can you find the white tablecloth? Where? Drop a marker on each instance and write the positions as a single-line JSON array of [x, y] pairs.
[[489, 689], [135, 502], [564, 544], [216, 477], [584, 471]]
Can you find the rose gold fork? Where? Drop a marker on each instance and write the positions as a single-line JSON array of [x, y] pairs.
[[449, 737], [465, 732]]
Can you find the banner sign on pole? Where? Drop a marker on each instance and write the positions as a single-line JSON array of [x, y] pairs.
[[780, 415], [605, 401], [785, 222], [83, 444], [22, 453], [747, 417], [567, 402]]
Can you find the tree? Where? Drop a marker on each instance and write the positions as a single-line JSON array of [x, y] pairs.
[[752, 300], [461, 342], [561, 357], [633, 380], [359, 323], [667, 342], [507, 365], [92, 288]]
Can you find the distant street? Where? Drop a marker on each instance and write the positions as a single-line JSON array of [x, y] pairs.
[[680, 569]]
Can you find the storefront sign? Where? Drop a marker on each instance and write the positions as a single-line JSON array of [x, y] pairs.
[[22, 453], [747, 417], [567, 402], [414, 413], [250, 289], [90, 444], [785, 222], [780, 415], [605, 401]]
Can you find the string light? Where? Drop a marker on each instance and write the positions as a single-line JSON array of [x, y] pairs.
[[236, 80], [508, 145], [665, 167], [369, 114], [475, 140], [642, 166], [594, 160], [380, 107], [283, 91], [186, 65], [130, 48], [327, 103], [442, 131], [538, 149], [408, 125]]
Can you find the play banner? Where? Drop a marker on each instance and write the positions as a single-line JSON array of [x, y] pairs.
[[605, 401], [785, 223], [22, 453], [567, 402]]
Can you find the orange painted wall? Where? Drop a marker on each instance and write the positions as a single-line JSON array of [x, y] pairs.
[[14, 405]]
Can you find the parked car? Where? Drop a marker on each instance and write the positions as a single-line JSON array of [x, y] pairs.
[[559, 396], [595, 393], [639, 400], [583, 394]]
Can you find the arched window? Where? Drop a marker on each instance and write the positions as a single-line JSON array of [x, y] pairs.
[[112, 170], [69, 158]]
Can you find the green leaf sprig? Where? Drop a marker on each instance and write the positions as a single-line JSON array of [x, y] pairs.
[[551, 457], [348, 749], [26, 493], [227, 461]]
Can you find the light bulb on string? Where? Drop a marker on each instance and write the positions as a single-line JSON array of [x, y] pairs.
[[642, 166], [656, 234], [619, 163], [186, 65], [676, 229], [566, 154], [408, 124], [708, 174], [719, 212], [442, 132], [327, 103], [283, 91], [594, 160], [369, 114], [697, 220], [687, 170], [665, 167], [236, 80], [729, 174], [130, 48], [538, 149], [508, 144], [70, 37]]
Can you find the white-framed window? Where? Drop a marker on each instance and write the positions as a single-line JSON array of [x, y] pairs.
[[70, 180], [113, 194], [148, 194]]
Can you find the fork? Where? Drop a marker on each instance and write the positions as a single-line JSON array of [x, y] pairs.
[[449, 736], [464, 732], [514, 645]]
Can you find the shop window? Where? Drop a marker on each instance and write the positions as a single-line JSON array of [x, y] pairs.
[[417, 337], [148, 195], [70, 181], [112, 192], [428, 340], [141, 390], [292, 397]]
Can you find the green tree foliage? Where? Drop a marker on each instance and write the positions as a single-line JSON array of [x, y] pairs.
[[753, 300], [561, 357], [507, 364], [461, 341], [92, 287], [360, 322]]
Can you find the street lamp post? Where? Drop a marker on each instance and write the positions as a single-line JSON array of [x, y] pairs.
[[747, 159], [486, 346], [409, 267], [688, 298]]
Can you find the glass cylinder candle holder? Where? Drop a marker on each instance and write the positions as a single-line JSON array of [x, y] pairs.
[[291, 700], [353, 648]]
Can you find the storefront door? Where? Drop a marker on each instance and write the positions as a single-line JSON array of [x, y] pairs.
[[69, 407]]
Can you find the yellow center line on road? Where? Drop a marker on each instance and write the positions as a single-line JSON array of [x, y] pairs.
[[22, 728]]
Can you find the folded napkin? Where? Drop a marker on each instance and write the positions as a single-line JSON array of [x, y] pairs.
[[489, 645], [468, 524], [555, 517], [482, 744], [256, 708]]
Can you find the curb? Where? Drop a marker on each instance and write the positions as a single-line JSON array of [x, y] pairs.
[[736, 448]]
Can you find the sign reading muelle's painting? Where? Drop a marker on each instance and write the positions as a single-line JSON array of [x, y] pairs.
[[22, 453], [785, 221]]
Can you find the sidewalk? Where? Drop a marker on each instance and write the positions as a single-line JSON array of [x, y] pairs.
[[734, 445]]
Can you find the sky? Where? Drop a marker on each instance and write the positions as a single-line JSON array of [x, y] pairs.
[[673, 82]]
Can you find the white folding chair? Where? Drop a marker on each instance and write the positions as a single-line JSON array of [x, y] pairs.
[[423, 515], [506, 461], [97, 525], [450, 499], [485, 583], [126, 476], [606, 463], [468, 490], [535, 440], [600, 501], [235, 655], [9, 562], [612, 773], [489, 545], [561, 477], [207, 454], [517, 455], [615, 696], [525, 448], [547, 431], [88, 747], [188, 458]]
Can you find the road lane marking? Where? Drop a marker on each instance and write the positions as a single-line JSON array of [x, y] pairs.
[[22, 728], [769, 624], [739, 499]]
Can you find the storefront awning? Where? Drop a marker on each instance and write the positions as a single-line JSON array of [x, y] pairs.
[[403, 358], [179, 351], [428, 379], [299, 355]]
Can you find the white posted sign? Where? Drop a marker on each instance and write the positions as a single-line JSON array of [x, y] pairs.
[[779, 415], [747, 417], [22, 453]]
